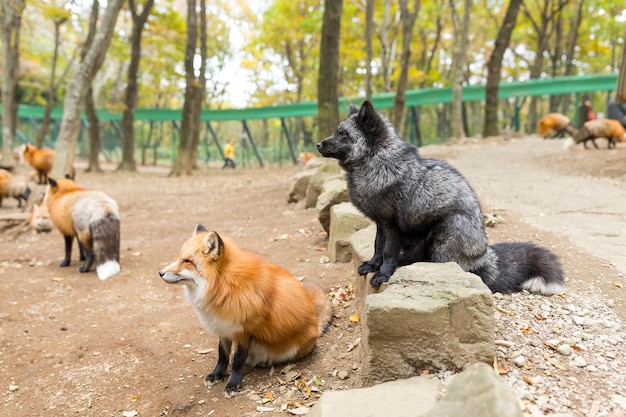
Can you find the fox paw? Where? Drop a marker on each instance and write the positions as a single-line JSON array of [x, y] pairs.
[[212, 379], [65, 262], [367, 267], [378, 279], [232, 388]]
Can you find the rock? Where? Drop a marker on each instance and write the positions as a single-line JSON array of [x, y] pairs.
[[407, 398], [326, 172], [300, 185], [333, 192], [477, 392], [431, 316], [345, 220]]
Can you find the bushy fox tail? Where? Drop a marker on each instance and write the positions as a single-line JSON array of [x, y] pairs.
[[105, 235], [323, 306], [520, 266]]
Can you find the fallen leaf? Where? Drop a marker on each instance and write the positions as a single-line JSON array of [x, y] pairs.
[[502, 310], [354, 318], [528, 379], [134, 398], [554, 362], [618, 284], [300, 411], [318, 381], [526, 330], [502, 367]]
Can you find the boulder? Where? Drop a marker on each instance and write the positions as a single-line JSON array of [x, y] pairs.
[[325, 172], [431, 316], [345, 220], [334, 191], [300, 184]]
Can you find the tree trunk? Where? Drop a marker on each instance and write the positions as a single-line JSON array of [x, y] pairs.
[[200, 92], [388, 42], [10, 20], [94, 133], [620, 93], [328, 79], [132, 88], [183, 163], [461, 36], [369, 50], [494, 67], [76, 90], [52, 87], [408, 22]]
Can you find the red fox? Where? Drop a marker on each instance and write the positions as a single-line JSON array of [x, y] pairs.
[[40, 159], [90, 216], [11, 186], [39, 218], [258, 308], [305, 157], [598, 128], [553, 125]]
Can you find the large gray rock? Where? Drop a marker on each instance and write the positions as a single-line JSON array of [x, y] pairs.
[[345, 220], [430, 316], [362, 249], [327, 171], [333, 192], [300, 184], [477, 392], [407, 398]]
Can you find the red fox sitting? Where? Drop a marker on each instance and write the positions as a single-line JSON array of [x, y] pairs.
[[40, 159], [553, 125], [258, 308], [598, 128], [90, 216]]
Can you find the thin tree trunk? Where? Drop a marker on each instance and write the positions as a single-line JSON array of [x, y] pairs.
[[94, 133], [76, 90], [328, 79], [461, 36], [132, 89], [200, 92], [494, 68], [369, 50], [52, 87], [10, 22], [408, 22]]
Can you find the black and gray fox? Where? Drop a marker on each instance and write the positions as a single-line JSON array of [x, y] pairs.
[[425, 210]]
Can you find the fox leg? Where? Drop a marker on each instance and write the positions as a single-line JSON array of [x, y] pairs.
[[219, 372], [68, 250], [87, 256], [235, 382], [391, 251], [373, 265]]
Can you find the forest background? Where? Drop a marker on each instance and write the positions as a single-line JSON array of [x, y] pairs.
[[122, 55]]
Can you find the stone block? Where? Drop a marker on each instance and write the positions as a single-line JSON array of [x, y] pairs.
[[325, 172], [300, 185], [333, 192], [345, 220]]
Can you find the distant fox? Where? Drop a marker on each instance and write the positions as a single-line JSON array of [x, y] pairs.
[[425, 211], [90, 216], [598, 128], [555, 125], [39, 219], [11, 186], [258, 308], [40, 159]]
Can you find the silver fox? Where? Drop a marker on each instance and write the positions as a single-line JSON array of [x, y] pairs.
[[425, 211]]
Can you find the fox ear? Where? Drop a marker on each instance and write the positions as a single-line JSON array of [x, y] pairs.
[[367, 114], [352, 110], [213, 245], [199, 228]]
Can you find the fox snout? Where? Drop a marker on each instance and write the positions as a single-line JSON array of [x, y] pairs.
[[324, 147]]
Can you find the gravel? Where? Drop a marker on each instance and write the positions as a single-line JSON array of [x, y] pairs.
[[562, 355]]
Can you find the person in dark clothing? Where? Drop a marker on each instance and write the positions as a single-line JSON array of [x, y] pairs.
[[616, 112], [585, 112]]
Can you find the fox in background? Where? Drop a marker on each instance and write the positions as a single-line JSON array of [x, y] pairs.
[[262, 311], [425, 211], [90, 216]]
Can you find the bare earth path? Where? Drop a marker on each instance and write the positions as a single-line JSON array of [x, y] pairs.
[[73, 345]]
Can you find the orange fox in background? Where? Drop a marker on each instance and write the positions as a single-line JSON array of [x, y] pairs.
[[598, 128], [11, 186], [553, 125], [258, 308], [90, 216], [40, 159]]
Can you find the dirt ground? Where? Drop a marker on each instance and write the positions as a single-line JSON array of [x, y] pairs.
[[73, 345]]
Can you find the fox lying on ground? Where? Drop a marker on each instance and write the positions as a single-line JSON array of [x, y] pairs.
[[90, 216], [555, 125], [425, 211], [258, 308], [11, 186], [598, 128]]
